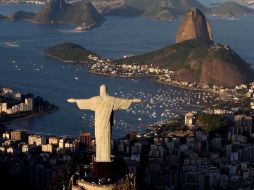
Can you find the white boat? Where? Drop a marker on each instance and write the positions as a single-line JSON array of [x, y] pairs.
[[11, 44], [83, 27], [79, 29], [128, 55]]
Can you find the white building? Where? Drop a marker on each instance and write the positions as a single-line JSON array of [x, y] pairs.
[[72, 146], [30, 104], [17, 96], [219, 111], [10, 150], [54, 140], [6, 136], [27, 148], [189, 118], [243, 123], [15, 109], [7, 91], [9, 111], [3, 107], [252, 105], [36, 139], [2, 149], [22, 107], [61, 143], [47, 148]]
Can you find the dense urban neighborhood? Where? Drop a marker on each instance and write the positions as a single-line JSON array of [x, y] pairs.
[[212, 148], [15, 105]]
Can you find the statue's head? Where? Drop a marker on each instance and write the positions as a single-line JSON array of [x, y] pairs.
[[103, 90]]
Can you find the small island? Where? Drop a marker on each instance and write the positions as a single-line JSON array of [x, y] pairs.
[[71, 53], [15, 106], [21, 15], [18, 16]]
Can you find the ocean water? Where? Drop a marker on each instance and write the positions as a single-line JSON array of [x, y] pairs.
[[208, 3], [24, 69]]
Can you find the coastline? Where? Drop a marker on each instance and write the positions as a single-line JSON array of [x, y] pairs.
[[67, 61], [120, 76], [184, 87], [155, 77], [62, 60], [30, 116], [155, 80]]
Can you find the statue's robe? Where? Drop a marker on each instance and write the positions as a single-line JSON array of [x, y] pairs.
[[103, 106]]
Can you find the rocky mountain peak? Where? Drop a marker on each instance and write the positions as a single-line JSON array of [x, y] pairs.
[[194, 25]]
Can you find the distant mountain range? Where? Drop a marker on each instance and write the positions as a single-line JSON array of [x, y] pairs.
[[154, 9], [230, 9], [166, 9], [92, 12]]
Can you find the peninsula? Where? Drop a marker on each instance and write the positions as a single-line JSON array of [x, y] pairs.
[[196, 58], [15, 106]]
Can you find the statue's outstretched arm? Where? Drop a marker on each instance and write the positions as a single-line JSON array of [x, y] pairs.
[[71, 100], [86, 104], [120, 103], [136, 100]]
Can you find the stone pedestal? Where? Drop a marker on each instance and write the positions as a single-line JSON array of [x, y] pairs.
[[102, 170], [107, 176]]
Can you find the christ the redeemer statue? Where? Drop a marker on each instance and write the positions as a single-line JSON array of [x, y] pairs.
[[103, 106]]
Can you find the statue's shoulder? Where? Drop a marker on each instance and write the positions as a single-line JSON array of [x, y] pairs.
[[95, 99], [111, 97]]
